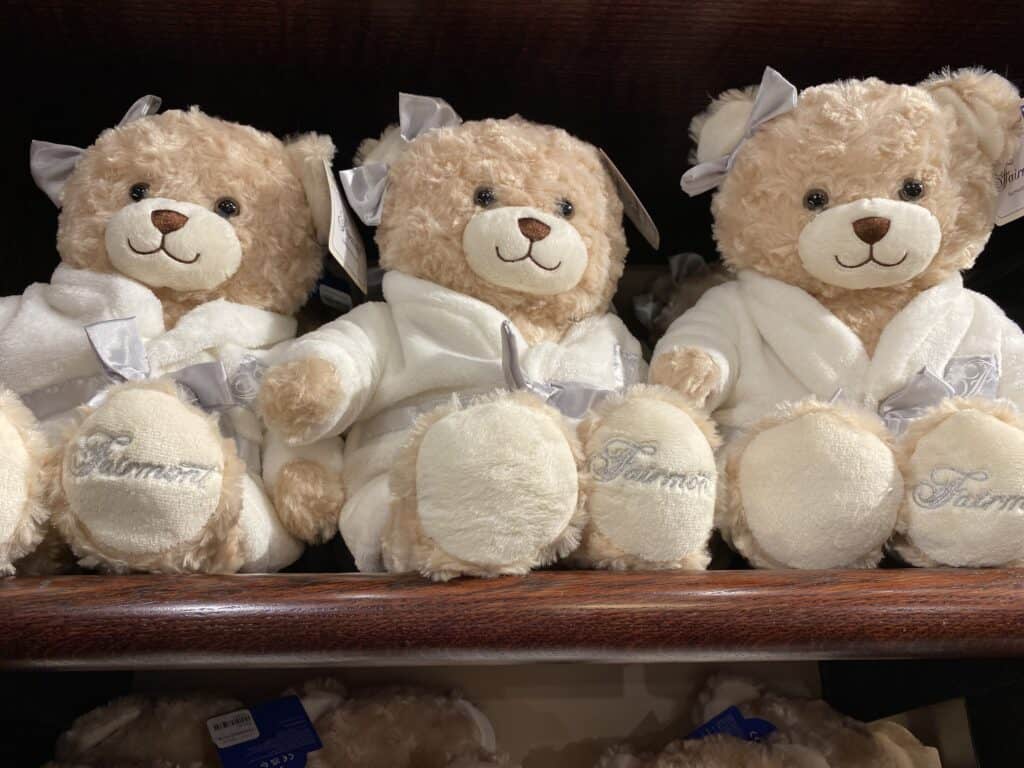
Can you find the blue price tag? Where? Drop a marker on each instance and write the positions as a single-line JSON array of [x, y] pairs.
[[275, 734], [731, 722]]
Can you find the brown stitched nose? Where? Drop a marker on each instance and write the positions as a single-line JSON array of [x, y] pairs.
[[533, 229], [168, 221], [872, 229]]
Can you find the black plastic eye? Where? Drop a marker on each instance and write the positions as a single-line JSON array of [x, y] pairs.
[[565, 208], [912, 189], [139, 191], [226, 207], [815, 199], [484, 197]]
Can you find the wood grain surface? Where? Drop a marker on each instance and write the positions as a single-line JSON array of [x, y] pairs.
[[625, 74], [305, 620]]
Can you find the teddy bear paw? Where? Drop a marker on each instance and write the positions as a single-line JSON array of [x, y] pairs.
[[308, 499], [814, 486], [651, 483], [485, 490], [298, 398], [151, 485], [964, 478], [690, 372]]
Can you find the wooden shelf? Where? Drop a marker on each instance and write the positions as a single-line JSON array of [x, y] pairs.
[[88, 622]]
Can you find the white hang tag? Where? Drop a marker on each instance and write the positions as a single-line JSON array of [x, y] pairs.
[[631, 204], [344, 241], [1010, 181]]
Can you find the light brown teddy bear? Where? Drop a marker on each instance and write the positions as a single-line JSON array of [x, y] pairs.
[[808, 734], [464, 391], [187, 243], [394, 728], [865, 395]]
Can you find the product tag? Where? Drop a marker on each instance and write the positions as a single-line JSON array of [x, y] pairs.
[[344, 241], [1010, 181], [631, 204], [731, 722], [275, 734]]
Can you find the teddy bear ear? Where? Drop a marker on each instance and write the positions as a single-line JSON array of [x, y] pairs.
[[718, 130], [307, 153], [985, 104], [384, 150]]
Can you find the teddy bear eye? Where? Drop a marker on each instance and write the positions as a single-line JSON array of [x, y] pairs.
[[227, 207], [139, 191], [815, 199], [484, 197], [565, 208], [912, 189]]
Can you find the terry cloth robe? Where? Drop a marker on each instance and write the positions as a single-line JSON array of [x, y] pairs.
[[774, 343], [45, 358], [402, 357]]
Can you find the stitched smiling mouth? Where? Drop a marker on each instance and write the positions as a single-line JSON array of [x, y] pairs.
[[527, 255], [871, 259], [167, 253]]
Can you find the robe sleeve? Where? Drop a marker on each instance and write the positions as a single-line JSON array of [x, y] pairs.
[[1011, 379], [710, 326], [8, 309], [358, 346]]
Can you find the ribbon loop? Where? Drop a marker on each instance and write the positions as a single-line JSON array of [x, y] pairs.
[[775, 96], [921, 393], [366, 184], [52, 164], [119, 348]]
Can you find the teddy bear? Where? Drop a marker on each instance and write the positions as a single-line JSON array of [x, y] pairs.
[[865, 396], [493, 405], [790, 733], [187, 244], [388, 728]]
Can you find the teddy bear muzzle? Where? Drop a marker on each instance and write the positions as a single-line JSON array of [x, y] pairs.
[[166, 243], [525, 249], [870, 243]]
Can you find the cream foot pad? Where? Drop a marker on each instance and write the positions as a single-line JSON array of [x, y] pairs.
[[20, 514], [145, 482], [651, 492], [818, 491], [965, 493], [497, 484]]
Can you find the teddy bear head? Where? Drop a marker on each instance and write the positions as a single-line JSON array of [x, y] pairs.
[[519, 215], [197, 209], [864, 186]]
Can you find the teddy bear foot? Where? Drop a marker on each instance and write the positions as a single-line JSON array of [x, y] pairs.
[[23, 513], [814, 486], [650, 483], [152, 485], [485, 490], [964, 476]]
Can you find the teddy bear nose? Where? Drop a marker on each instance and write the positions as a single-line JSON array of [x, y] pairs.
[[168, 221], [533, 229], [871, 229]]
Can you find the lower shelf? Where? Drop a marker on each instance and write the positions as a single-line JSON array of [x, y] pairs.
[[168, 622]]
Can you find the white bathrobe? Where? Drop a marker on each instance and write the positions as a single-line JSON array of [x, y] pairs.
[[774, 342], [402, 357], [45, 358]]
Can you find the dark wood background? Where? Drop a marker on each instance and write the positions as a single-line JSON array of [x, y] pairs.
[[626, 75]]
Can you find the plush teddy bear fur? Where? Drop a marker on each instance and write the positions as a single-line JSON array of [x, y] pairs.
[[857, 139], [526, 164], [259, 171]]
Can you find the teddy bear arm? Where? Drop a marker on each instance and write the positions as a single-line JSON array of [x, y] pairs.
[[320, 384]]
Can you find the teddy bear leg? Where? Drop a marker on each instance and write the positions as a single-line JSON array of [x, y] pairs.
[[650, 483], [152, 485], [813, 486], [963, 468], [488, 489], [23, 511]]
